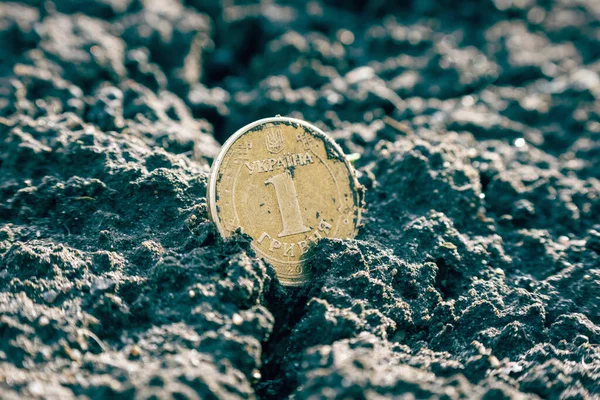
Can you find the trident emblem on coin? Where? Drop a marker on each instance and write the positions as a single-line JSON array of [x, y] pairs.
[[273, 139]]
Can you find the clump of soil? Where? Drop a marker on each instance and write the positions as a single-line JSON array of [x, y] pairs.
[[476, 272]]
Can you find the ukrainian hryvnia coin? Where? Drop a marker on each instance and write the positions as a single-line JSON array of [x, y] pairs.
[[287, 185]]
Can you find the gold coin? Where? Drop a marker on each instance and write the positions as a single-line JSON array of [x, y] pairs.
[[286, 184]]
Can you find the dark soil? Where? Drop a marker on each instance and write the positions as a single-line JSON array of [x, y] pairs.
[[476, 273]]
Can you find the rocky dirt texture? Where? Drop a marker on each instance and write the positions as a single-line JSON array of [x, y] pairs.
[[476, 273]]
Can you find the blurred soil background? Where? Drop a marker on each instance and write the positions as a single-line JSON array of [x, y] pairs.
[[476, 273]]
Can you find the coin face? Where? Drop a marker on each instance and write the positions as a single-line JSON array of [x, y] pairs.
[[286, 185]]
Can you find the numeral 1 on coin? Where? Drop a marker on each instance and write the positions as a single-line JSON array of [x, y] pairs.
[[287, 198]]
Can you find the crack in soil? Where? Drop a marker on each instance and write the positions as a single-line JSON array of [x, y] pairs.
[[287, 306]]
